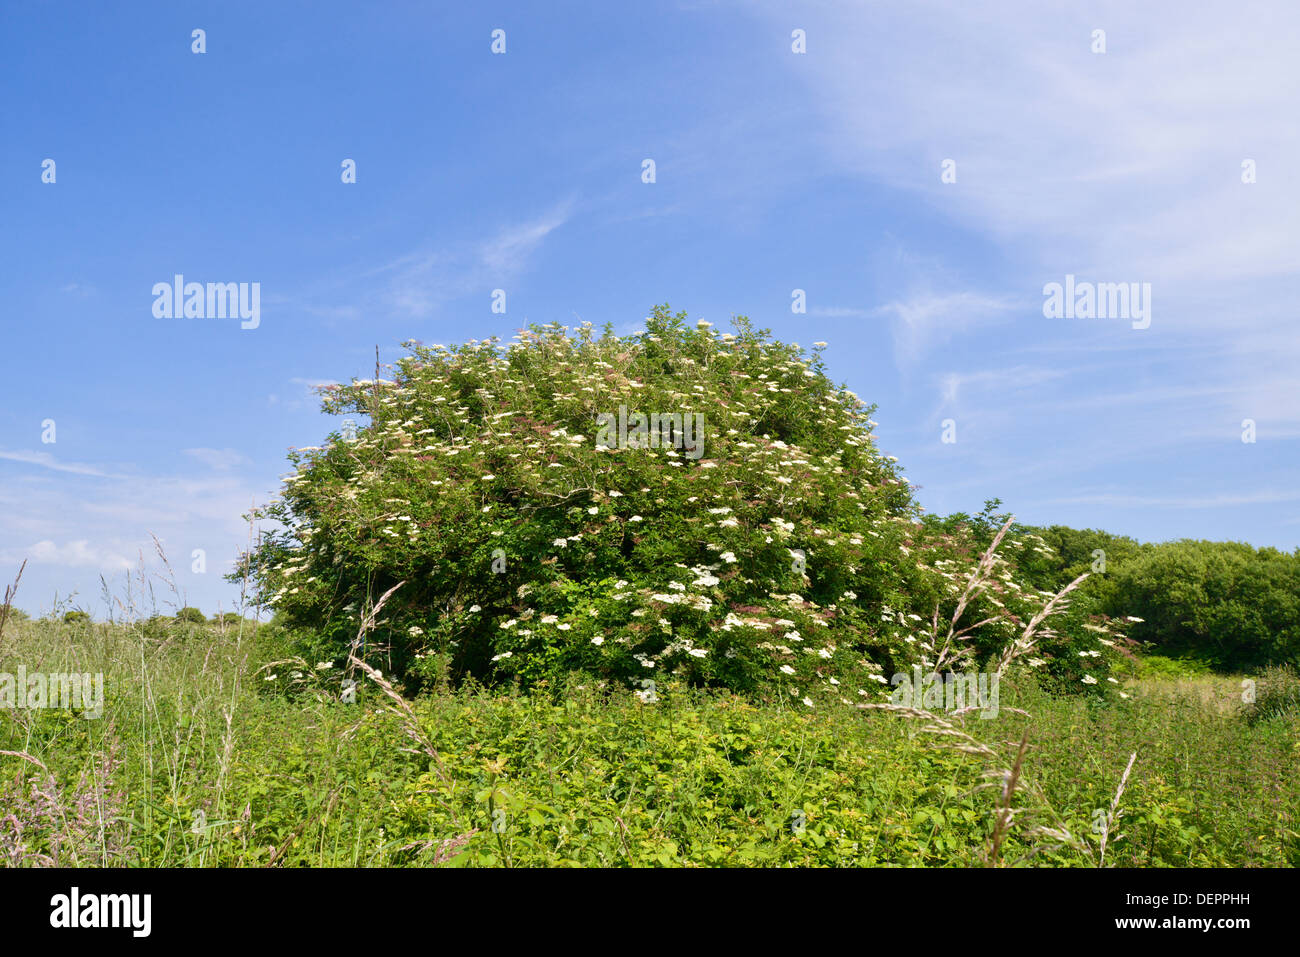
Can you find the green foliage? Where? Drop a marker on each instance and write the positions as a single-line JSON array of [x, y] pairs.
[[1077, 551], [785, 553], [1158, 666], [1232, 605], [1227, 605], [191, 616], [236, 770], [694, 779], [76, 617], [1277, 695]]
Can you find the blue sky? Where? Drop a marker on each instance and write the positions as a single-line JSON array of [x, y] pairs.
[[775, 171]]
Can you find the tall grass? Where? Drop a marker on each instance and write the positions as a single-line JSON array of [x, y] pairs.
[[220, 747], [286, 774]]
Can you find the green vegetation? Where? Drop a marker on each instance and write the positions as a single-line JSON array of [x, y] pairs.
[[576, 649], [1277, 695], [228, 752], [1222, 606], [1230, 604], [511, 534]]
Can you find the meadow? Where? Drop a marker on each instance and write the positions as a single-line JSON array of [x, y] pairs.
[[217, 747]]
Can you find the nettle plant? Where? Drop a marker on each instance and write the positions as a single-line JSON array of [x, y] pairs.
[[534, 526]]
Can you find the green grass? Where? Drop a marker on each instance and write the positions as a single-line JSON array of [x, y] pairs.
[[284, 772]]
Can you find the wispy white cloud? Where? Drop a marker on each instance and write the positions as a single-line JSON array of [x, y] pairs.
[[73, 554], [509, 251], [419, 282], [1122, 166], [957, 386], [1122, 500], [841, 312], [47, 461], [1124, 160], [72, 526], [220, 460], [925, 321]]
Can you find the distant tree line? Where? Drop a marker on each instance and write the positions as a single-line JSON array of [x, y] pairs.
[[1228, 604]]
